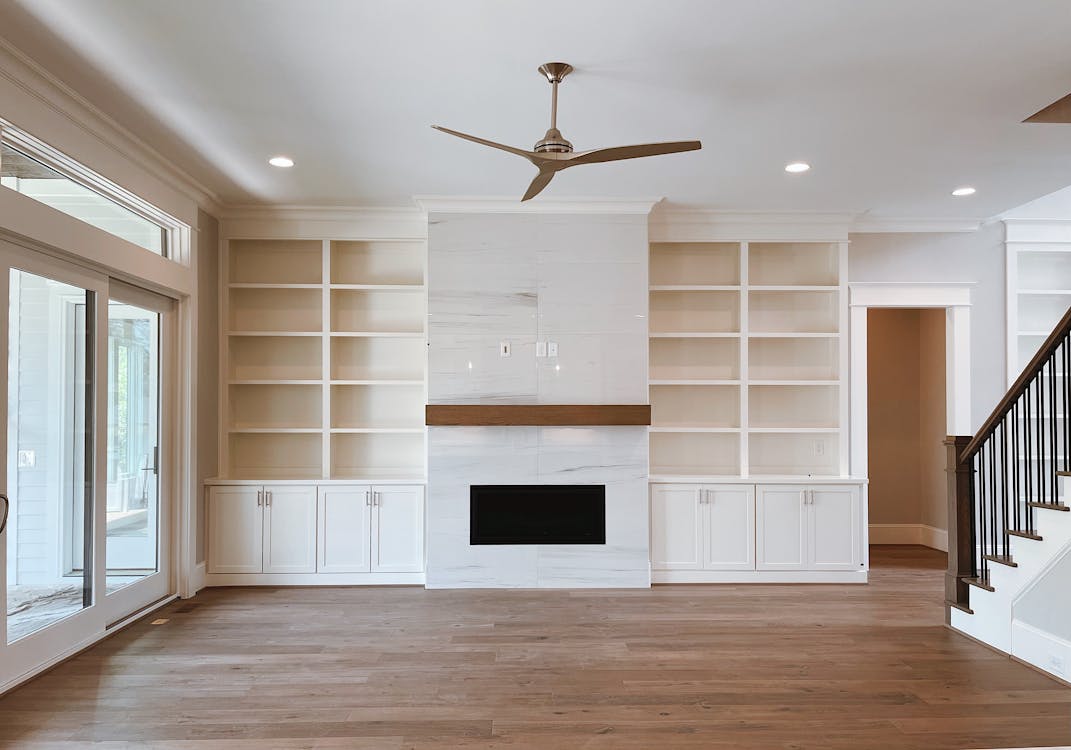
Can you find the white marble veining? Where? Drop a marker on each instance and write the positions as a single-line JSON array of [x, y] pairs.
[[577, 280], [463, 456]]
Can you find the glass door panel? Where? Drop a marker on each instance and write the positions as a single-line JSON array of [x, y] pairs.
[[49, 555], [133, 500]]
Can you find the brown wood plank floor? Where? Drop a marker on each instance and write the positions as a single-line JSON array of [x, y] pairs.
[[756, 666]]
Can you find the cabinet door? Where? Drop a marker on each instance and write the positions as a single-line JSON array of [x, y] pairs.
[[781, 527], [676, 530], [289, 529], [344, 516], [398, 529], [835, 528], [235, 520], [729, 541]]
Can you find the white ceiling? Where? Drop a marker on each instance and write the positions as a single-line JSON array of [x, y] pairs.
[[894, 102]]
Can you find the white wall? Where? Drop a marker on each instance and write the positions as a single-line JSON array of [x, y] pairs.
[[968, 257]]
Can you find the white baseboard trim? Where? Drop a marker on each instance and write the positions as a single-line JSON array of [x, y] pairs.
[[197, 580], [758, 576], [314, 579], [1046, 651], [909, 533]]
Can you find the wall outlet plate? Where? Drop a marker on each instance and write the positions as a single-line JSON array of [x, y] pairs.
[[541, 348], [504, 349], [552, 348]]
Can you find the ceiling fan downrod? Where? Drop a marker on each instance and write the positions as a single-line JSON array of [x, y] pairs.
[[554, 142]]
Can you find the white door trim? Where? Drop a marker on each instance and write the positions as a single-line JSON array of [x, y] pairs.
[[955, 299]]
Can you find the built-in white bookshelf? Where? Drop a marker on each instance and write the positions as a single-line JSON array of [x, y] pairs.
[[323, 359], [1039, 293], [746, 362]]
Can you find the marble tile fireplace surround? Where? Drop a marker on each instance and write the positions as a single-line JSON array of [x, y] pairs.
[[575, 280]]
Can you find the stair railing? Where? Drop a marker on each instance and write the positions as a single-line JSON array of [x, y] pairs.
[[998, 477]]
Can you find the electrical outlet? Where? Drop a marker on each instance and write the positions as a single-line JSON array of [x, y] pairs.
[[819, 448], [1057, 664], [552, 348], [503, 349], [27, 459]]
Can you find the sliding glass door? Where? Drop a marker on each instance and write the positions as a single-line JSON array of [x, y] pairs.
[[85, 542]]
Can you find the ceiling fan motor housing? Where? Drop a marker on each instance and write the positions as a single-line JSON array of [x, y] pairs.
[[553, 142]]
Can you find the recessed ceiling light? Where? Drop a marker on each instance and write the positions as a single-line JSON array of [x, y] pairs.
[[797, 166], [961, 191], [281, 161]]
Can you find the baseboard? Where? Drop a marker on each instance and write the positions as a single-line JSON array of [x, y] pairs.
[[909, 533], [758, 576], [1045, 651], [314, 579], [197, 580]]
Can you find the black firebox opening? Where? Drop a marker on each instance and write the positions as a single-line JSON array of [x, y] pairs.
[[537, 514]]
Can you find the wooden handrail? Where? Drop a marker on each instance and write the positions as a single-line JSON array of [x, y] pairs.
[[1026, 377]]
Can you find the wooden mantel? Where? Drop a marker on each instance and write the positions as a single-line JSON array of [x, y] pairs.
[[549, 415]]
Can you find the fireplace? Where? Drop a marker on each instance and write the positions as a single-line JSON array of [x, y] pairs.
[[537, 514]]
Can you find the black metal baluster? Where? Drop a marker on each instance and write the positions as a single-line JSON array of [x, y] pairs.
[[1016, 491], [1054, 450], [1004, 487], [994, 547]]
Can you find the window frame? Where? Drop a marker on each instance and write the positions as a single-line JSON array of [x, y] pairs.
[[175, 241]]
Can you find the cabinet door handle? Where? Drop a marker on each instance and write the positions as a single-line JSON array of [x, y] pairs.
[[375, 499], [710, 497], [260, 498], [368, 498], [267, 497]]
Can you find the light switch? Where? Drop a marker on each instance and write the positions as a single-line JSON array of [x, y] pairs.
[[541, 348], [552, 348], [503, 349]]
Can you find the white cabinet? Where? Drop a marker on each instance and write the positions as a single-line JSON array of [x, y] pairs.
[[766, 532], [261, 529], [365, 528], [803, 527], [289, 529], [235, 527], [702, 527]]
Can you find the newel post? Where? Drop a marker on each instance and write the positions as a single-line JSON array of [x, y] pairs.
[[960, 525]]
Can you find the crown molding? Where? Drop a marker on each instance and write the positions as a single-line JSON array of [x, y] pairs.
[[711, 225], [465, 204], [23, 72], [320, 222], [894, 224]]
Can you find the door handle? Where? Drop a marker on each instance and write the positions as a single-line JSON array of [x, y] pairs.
[[375, 499], [267, 497], [7, 507], [368, 498], [260, 498]]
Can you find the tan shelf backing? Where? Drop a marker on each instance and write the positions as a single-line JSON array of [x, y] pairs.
[[788, 406], [362, 454], [787, 263], [793, 359], [698, 263], [383, 262], [695, 406], [275, 358], [695, 312], [276, 406], [786, 454], [377, 406], [706, 359], [276, 310], [792, 312], [275, 262], [695, 453], [377, 359], [391, 312], [275, 456]]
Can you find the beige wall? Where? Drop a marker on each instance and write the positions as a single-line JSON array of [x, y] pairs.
[[207, 363], [906, 402]]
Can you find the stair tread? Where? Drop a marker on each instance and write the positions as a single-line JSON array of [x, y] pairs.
[[1026, 535], [980, 583], [1050, 506], [1003, 560], [961, 608]]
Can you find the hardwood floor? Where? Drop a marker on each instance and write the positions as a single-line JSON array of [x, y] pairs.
[[759, 666]]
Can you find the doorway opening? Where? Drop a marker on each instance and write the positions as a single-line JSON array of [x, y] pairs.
[[906, 428]]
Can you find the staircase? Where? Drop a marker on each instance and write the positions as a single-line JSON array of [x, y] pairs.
[[1009, 521]]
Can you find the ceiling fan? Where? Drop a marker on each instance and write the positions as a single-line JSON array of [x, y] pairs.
[[1058, 111], [553, 153]]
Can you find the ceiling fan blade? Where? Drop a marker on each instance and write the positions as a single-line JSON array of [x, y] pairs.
[[1058, 111], [617, 153], [541, 181], [484, 142]]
